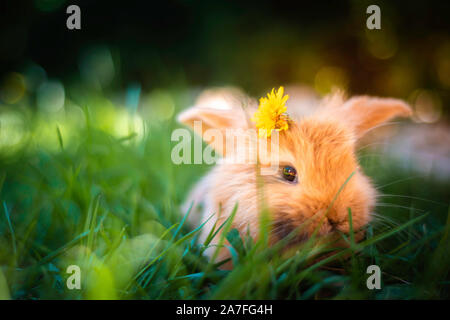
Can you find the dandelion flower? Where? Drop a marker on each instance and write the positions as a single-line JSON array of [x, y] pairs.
[[271, 114]]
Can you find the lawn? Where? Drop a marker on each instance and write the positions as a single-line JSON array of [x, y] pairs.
[[93, 185]]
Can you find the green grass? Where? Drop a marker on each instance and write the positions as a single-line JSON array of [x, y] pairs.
[[75, 190]]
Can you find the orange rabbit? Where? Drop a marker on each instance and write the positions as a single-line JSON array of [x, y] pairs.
[[316, 158]]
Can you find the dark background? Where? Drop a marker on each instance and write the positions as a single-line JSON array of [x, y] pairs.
[[250, 44]]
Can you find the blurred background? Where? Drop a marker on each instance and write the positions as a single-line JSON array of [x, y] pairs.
[[131, 51], [89, 112], [253, 45]]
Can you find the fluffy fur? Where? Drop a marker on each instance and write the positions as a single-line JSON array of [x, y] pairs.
[[320, 146]]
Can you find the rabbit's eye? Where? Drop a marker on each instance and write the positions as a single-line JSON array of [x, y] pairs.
[[289, 173]]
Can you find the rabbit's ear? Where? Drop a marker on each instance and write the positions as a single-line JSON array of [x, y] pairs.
[[210, 118], [365, 113], [212, 124]]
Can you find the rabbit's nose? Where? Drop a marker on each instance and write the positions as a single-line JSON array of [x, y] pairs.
[[330, 216], [333, 223]]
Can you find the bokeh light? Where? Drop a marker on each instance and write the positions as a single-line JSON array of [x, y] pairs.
[[97, 66], [12, 88], [381, 43], [330, 77], [398, 80], [51, 96], [35, 76], [158, 106], [126, 124], [13, 131], [427, 106]]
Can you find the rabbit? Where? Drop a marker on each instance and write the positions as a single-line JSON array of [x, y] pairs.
[[319, 176]]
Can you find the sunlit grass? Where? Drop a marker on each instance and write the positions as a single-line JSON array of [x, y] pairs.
[[94, 185]]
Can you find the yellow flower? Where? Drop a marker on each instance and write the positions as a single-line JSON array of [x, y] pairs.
[[271, 114]]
